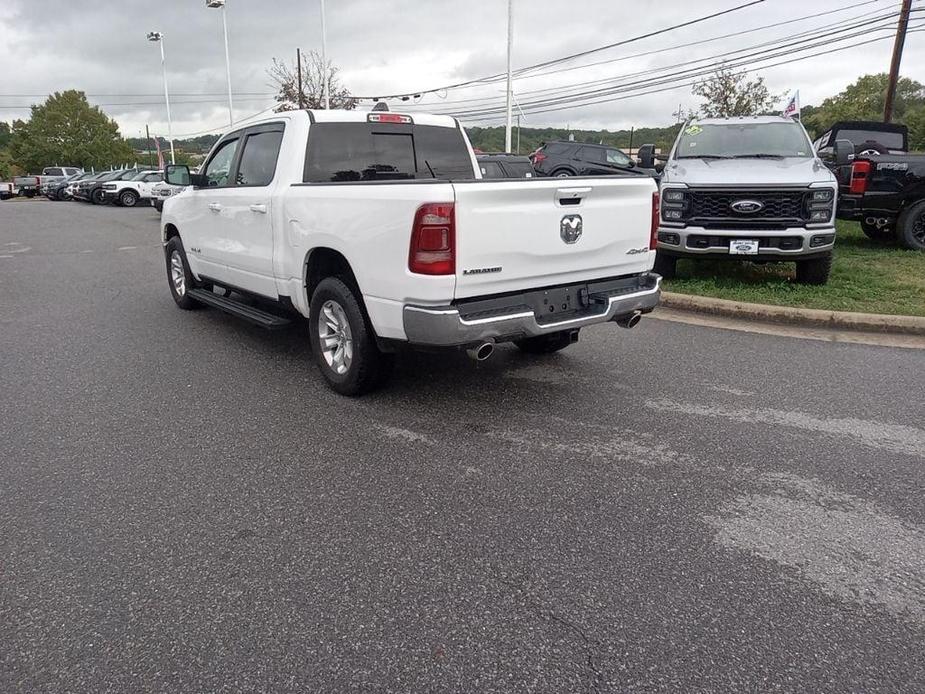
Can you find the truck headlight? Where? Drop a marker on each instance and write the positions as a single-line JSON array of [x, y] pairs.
[[821, 215], [673, 196], [821, 195]]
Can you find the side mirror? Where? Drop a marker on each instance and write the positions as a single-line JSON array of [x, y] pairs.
[[646, 156], [177, 175], [844, 152]]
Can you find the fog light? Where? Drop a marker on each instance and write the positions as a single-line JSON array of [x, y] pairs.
[[672, 239], [671, 214], [825, 240]]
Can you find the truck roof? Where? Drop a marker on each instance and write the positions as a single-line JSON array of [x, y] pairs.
[[742, 120], [336, 115]]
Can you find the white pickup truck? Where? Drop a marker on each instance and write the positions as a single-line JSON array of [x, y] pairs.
[[377, 228]]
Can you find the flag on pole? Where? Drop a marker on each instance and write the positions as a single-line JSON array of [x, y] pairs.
[[793, 108], [160, 154]]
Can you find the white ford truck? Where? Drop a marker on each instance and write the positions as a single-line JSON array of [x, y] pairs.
[[377, 228]]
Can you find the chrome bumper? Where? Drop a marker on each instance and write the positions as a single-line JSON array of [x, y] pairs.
[[446, 327]]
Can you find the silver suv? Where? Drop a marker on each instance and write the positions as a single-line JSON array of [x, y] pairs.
[[747, 189]]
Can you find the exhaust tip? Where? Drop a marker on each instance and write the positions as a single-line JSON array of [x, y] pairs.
[[481, 352], [630, 321]]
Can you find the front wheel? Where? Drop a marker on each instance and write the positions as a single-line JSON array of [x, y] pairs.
[[343, 342], [97, 197], [178, 275], [128, 198], [547, 344], [814, 271], [665, 265]]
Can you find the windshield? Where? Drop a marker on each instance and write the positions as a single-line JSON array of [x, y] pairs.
[[733, 140]]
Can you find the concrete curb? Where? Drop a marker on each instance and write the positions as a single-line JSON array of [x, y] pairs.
[[841, 320]]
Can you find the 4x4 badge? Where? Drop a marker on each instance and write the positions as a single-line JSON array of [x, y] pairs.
[[570, 228]]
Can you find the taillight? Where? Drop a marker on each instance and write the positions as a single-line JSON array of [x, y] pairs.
[[433, 240], [538, 157], [653, 230], [860, 170]]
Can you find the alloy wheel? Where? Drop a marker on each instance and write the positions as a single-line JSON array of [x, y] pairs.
[[336, 338], [178, 273]]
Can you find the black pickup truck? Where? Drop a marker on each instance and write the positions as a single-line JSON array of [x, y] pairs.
[[886, 194]]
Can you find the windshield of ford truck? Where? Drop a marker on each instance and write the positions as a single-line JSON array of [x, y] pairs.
[[742, 141]]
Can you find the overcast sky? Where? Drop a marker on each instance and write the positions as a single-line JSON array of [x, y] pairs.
[[398, 46]]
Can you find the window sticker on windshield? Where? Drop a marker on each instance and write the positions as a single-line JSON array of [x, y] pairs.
[[693, 130], [691, 144]]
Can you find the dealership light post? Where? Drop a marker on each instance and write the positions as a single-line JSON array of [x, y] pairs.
[[510, 43], [158, 37], [220, 4], [324, 58]]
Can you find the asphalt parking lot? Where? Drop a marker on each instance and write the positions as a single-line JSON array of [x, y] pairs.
[[184, 506]]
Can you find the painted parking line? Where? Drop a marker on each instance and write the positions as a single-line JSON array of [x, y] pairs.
[[126, 248]]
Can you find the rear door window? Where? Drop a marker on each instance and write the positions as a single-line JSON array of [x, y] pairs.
[[258, 160], [593, 154], [362, 152], [53, 171]]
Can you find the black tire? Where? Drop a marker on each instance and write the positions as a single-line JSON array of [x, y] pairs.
[[815, 270], [870, 148], [911, 227], [875, 233], [366, 368], [561, 173], [159, 205], [29, 193], [547, 344], [97, 197], [666, 265], [174, 249], [129, 198]]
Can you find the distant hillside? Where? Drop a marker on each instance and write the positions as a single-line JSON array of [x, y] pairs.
[[492, 139]]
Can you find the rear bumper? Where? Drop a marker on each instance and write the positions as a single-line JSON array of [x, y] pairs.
[[507, 318]]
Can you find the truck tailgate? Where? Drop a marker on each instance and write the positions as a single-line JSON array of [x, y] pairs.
[[513, 235]]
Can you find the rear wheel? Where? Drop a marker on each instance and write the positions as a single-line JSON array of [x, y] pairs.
[[561, 173], [911, 227], [547, 344], [665, 265], [343, 342], [876, 233], [128, 198], [815, 270]]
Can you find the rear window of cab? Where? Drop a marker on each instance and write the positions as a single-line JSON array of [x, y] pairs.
[[365, 152]]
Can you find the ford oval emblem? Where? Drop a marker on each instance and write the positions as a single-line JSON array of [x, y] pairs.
[[747, 206]]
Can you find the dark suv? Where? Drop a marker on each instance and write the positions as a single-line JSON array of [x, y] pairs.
[[561, 159]]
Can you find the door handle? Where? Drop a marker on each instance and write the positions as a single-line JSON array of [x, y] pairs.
[[262, 209], [215, 206]]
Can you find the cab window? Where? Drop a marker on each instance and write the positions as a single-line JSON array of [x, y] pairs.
[[218, 170], [258, 160]]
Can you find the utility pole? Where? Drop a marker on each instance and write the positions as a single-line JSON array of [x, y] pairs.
[[897, 58], [510, 43], [324, 59], [298, 62]]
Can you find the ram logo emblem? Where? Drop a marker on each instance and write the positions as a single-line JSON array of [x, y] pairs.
[[570, 228]]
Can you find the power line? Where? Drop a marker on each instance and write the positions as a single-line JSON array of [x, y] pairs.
[[813, 33], [572, 56]]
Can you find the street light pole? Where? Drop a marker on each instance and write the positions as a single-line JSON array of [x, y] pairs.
[[510, 42], [220, 4], [158, 37], [324, 59]]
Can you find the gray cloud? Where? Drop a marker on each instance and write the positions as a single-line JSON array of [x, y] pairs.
[[388, 46]]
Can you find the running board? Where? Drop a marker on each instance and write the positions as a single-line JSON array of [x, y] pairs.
[[270, 321]]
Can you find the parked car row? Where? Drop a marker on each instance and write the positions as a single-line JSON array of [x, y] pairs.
[[123, 187]]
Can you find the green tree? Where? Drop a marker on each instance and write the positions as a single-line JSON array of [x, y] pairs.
[[863, 100], [68, 131], [286, 78], [727, 93], [5, 134], [915, 120]]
